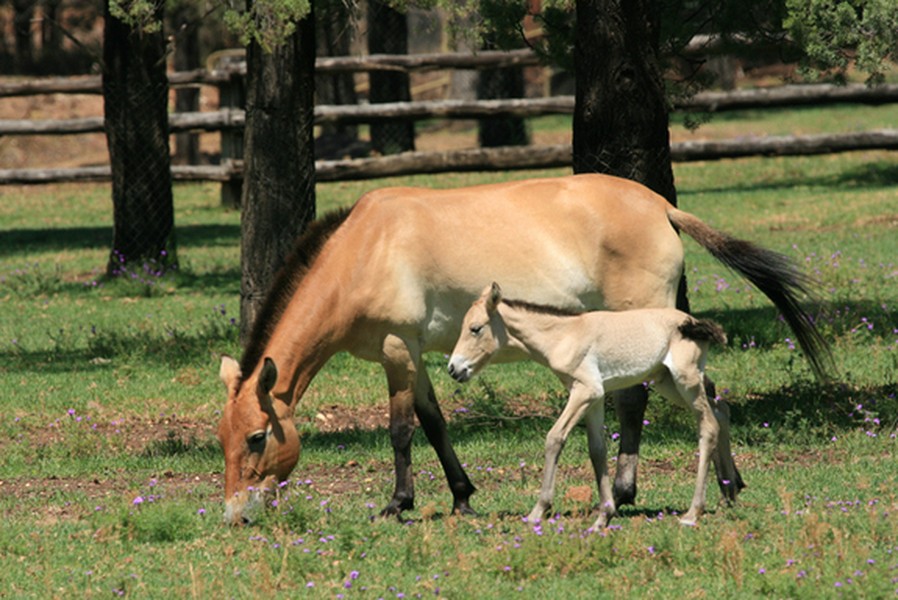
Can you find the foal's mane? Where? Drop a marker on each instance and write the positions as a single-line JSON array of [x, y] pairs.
[[285, 283], [542, 309]]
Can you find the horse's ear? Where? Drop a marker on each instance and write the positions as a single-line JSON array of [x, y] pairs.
[[268, 376], [229, 372], [494, 297]]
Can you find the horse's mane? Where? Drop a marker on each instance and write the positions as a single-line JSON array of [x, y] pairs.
[[556, 311], [297, 264]]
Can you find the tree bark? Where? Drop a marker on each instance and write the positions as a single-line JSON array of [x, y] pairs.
[[388, 34], [495, 84], [23, 14], [279, 178], [185, 18], [621, 113], [334, 37], [135, 93]]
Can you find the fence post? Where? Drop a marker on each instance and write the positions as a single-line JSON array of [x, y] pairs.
[[232, 96]]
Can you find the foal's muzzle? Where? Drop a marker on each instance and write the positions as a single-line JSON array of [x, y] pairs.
[[459, 372]]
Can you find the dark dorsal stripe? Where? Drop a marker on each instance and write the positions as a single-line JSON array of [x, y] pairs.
[[556, 311], [307, 247]]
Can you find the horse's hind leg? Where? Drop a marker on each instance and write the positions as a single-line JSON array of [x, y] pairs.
[[630, 405], [434, 426]]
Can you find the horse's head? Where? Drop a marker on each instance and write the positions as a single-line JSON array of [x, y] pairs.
[[482, 334], [258, 437]]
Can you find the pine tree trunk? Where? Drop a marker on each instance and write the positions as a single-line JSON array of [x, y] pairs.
[[185, 20], [388, 34], [279, 177], [135, 93], [621, 114]]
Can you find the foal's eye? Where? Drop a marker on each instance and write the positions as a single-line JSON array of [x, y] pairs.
[[476, 329], [256, 441]]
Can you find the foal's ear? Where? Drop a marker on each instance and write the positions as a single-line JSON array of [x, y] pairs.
[[495, 296], [268, 376], [229, 372]]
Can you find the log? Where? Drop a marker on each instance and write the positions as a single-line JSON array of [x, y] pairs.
[[791, 95], [344, 114], [492, 159], [789, 145], [477, 159]]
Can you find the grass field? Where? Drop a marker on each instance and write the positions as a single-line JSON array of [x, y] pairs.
[[111, 477]]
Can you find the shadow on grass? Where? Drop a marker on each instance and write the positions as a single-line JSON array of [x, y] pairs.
[[26, 241], [175, 446], [868, 177], [111, 350]]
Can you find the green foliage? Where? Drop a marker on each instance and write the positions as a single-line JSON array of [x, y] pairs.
[[267, 22], [835, 33], [141, 15]]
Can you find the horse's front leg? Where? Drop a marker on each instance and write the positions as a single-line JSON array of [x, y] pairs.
[[434, 426], [630, 405], [576, 406], [401, 367]]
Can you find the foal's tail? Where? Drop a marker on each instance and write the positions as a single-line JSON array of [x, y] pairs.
[[777, 276], [703, 330]]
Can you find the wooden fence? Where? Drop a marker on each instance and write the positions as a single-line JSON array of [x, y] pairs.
[[229, 120]]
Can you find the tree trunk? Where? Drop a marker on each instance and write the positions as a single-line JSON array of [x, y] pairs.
[[621, 111], [496, 84], [388, 34], [185, 20], [23, 15], [135, 93], [279, 178], [333, 34]]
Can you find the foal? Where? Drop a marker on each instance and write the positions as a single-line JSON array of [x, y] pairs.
[[594, 353]]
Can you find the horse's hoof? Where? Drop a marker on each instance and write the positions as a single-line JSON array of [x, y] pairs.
[[624, 495], [461, 507], [730, 488], [396, 507]]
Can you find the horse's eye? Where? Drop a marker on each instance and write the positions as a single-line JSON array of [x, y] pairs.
[[476, 329], [256, 441]]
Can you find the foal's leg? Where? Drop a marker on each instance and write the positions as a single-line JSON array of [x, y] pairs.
[[630, 405], [707, 444], [688, 390], [728, 478], [598, 455], [576, 406], [434, 426]]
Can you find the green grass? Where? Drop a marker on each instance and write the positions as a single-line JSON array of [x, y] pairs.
[[111, 475]]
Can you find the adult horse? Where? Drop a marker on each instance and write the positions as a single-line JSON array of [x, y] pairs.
[[392, 278]]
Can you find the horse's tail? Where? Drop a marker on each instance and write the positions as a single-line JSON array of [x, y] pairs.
[[703, 330], [776, 275]]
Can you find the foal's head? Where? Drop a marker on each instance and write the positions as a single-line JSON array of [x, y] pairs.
[[482, 335], [258, 437]]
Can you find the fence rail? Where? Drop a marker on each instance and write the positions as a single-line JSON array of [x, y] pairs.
[[230, 121], [488, 159]]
